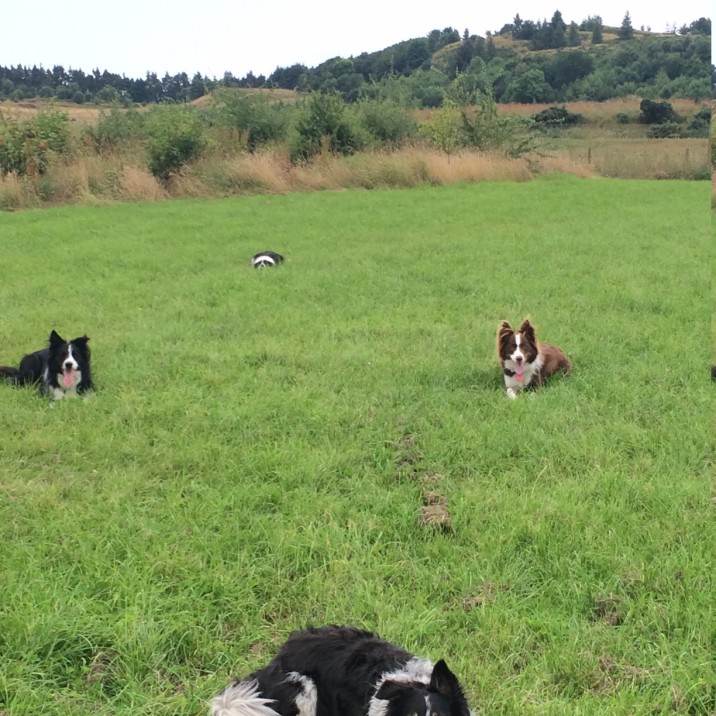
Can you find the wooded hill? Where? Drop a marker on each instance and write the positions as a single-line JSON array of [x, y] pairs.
[[525, 61]]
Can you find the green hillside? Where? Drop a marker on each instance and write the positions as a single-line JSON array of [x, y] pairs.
[[525, 61]]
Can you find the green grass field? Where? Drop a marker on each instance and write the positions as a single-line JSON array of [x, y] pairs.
[[261, 445]]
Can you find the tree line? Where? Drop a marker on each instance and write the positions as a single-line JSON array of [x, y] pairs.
[[424, 72]]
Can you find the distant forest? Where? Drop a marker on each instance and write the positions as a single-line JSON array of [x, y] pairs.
[[525, 61]]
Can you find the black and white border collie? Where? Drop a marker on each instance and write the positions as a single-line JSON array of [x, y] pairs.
[[526, 362], [344, 671], [266, 258], [62, 369]]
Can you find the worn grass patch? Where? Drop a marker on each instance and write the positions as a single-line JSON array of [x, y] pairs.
[[262, 445]]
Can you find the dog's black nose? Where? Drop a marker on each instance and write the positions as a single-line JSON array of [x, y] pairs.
[[68, 365], [518, 359]]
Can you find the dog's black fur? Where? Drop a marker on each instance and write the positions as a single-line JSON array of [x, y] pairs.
[[344, 671], [266, 258], [61, 369]]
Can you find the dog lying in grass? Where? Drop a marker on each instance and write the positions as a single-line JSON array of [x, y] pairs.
[[525, 361], [343, 671], [61, 370]]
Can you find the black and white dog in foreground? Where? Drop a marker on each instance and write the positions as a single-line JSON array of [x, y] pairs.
[[266, 258], [62, 369], [344, 671]]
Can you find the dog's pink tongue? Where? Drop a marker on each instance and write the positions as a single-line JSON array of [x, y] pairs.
[[519, 368], [68, 378]]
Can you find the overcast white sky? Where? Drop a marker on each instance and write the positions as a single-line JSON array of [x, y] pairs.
[[134, 37]]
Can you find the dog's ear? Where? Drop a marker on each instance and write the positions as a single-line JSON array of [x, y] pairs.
[[55, 338], [528, 331], [444, 682], [504, 331], [82, 340]]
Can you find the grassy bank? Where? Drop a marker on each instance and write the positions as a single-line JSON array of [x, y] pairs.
[[261, 445]]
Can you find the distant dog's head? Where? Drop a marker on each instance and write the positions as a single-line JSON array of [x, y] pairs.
[[265, 259], [68, 362], [516, 349], [441, 696]]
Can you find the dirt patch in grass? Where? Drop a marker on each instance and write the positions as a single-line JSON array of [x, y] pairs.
[[609, 609]]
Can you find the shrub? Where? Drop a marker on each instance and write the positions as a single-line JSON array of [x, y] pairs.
[[557, 117], [622, 118], [321, 125], [444, 132], [253, 116], [107, 95], [26, 146], [116, 129], [175, 137], [487, 129], [53, 127], [656, 112], [665, 130], [386, 122], [700, 123]]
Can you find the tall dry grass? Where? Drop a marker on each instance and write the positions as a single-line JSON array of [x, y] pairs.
[[598, 111], [90, 178], [272, 172], [600, 146], [640, 158]]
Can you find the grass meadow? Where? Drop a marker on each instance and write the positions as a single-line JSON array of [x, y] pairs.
[[329, 441]]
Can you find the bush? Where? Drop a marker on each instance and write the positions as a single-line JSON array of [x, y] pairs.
[[255, 117], [116, 129], [444, 131], [175, 137], [26, 147], [665, 130], [107, 95], [622, 118], [487, 129], [53, 127], [656, 112], [557, 117], [386, 122], [322, 125], [700, 123]]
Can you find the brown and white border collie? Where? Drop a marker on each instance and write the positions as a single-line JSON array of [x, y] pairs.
[[526, 362]]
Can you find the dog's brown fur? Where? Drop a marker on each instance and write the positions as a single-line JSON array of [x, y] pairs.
[[554, 361]]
